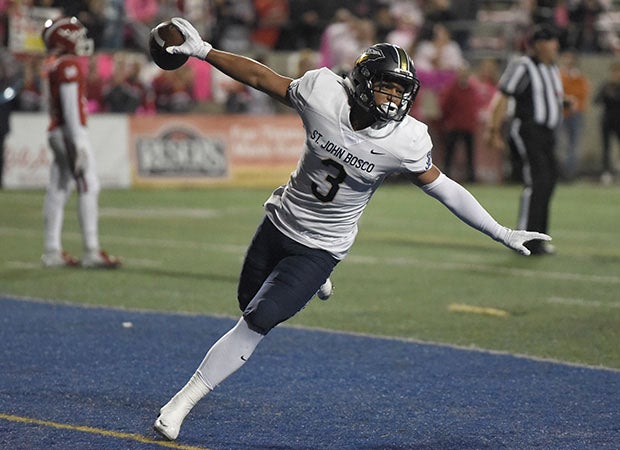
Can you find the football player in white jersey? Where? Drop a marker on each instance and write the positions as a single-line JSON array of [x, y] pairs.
[[358, 131]]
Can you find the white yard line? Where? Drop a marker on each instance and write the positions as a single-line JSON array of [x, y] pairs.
[[159, 213], [582, 302], [352, 259], [468, 266]]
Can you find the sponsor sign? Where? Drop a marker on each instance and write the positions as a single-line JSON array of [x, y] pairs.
[[223, 149], [180, 152], [28, 157], [25, 26]]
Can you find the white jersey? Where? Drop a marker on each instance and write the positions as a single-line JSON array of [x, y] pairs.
[[340, 169]]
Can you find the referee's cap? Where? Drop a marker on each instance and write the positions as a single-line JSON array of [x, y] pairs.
[[543, 32]]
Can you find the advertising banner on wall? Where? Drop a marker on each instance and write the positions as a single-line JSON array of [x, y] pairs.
[[28, 158], [25, 25], [203, 149]]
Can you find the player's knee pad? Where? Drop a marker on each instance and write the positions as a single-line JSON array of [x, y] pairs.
[[263, 316]]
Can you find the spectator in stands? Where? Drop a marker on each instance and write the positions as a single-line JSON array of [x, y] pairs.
[[94, 87], [237, 97], [271, 17], [344, 39], [141, 16], [162, 88], [125, 93], [542, 11], [437, 58], [384, 22], [94, 19], [306, 60], [608, 96], [576, 92], [440, 52], [460, 103], [406, 30], [233, 21], [180, 98], [242, 99], [304, 27], [439, 11], [466, 13], [561, 21], [487, 74], [31, 96], [400, 8], [142, 11], [114, 29], [584, 17]]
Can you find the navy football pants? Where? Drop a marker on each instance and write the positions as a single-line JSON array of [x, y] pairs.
[[279, 276]]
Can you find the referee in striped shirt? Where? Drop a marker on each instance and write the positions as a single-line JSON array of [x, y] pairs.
[[534, 82]]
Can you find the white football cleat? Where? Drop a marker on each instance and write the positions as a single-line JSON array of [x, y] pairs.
[[59, 258], [326, 289], [168, 423], [100, 259]]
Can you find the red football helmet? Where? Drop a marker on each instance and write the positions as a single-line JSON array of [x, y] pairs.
[[67, 35]]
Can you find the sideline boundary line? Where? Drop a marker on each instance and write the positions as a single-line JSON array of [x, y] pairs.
[[98, 431], [5, 296]]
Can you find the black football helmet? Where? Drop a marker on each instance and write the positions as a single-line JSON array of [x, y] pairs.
[[384, 63]]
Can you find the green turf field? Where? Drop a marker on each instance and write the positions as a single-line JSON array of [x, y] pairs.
[[415, 271]]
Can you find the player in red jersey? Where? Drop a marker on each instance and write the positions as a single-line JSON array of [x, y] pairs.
[[74, 165]]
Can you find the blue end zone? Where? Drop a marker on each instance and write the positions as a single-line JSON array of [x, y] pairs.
[[302, 389]]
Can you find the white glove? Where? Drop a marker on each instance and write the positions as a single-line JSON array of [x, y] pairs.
[[81, 161], [193, 45], [78, 155], [515, 239]]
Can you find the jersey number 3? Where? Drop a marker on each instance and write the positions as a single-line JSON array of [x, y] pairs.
[[333, 181]]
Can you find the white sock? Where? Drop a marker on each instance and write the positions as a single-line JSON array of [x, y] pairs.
[[88, 213], [184, 400], [228, 354], [53, 215]]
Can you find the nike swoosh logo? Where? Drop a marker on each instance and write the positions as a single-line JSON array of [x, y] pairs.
[[374, 152], [243, 358]]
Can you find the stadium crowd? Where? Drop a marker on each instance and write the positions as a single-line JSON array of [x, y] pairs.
[[439, 34], [459, 48]]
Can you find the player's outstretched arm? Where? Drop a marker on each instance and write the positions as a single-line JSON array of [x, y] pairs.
[[241, 68], [465, 206]]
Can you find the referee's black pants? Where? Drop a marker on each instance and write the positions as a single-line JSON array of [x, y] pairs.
[[536, 145]]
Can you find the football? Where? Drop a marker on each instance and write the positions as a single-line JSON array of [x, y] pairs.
[[164, 35]]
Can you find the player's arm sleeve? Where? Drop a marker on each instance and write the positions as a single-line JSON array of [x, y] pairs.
[[465, 206], [70, 101]]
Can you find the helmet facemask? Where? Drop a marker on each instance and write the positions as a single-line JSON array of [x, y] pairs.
[[398, 103], [67, 35], [377, 66]]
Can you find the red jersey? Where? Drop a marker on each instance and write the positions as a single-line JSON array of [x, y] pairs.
[[461, 104], [66, 69]]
